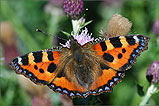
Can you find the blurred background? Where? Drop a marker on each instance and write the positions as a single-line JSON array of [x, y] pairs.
[[20, 18]]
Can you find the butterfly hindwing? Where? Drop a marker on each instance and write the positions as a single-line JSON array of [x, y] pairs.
[[121, 52], [104, 83], [39, 66], [107, 80], [66, 87]]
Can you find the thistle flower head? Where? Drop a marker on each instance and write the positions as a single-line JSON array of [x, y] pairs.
[[152, 74], [73, 8], [82, 38]]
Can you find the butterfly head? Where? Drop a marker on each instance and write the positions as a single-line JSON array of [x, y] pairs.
[[76, 49], [72, 38], [74, 42]]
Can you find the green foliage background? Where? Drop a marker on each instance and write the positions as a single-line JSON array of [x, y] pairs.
[[27, 15]]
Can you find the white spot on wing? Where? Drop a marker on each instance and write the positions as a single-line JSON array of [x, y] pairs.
[[19, 60], [136, 39]]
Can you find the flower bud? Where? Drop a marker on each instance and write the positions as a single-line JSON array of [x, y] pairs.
[[152, 74], [73, 8]]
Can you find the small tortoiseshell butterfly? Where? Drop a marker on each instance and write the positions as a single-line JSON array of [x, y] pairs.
[[78, 71]]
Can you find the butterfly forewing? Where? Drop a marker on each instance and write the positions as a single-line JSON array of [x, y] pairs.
[[121, 52], [39, 66]]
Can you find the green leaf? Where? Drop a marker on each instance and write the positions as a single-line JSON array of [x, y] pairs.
[[85, 24], [140, 90], [66, 33]]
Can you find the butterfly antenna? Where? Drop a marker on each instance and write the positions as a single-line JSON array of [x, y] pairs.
[[62, 39], [38, 30]]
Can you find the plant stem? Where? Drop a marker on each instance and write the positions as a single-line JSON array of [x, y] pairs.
[[152, 89], [76, 26]]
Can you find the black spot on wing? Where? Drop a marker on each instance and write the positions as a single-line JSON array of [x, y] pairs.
[[123, 50], [108, 57], [25, 59], [35, 67], [120, 56], [51, 67], [37, 56], [103, 46], [41, 70], [116, 42], [50, 55], [130, 40]]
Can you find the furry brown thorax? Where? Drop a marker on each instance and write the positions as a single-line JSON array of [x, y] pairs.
[[83, 66]]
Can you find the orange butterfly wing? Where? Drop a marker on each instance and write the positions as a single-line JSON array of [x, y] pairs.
[[104, 83], [120, 53], [39, 66], [107, 81], [62, 85]]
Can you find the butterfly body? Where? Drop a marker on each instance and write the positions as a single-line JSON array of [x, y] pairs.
[[83, 69], [80, 70]]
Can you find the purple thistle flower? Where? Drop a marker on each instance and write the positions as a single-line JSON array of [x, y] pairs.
[[73, 8], [152, 74], [82, 38]]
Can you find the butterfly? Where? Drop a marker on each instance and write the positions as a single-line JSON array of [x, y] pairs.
[[78, 71]]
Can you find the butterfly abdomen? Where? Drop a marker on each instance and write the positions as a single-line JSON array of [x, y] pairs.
[[84, 75]]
